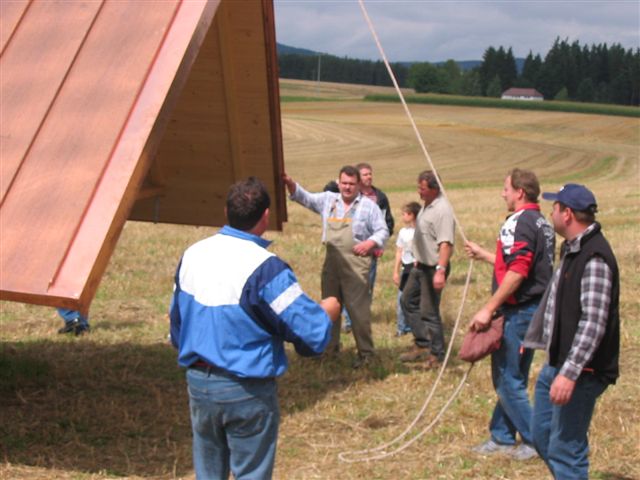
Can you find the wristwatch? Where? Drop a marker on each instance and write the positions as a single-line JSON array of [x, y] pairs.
[[439, 267]]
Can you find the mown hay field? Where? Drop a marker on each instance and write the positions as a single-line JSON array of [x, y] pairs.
[[113, 404]]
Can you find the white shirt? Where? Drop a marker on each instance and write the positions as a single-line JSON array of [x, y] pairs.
[[405, 243]]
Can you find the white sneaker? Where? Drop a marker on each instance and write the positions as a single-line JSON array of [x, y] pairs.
[[523, 452], [490, 447]]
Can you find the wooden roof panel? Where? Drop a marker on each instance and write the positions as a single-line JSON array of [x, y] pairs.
[[10, 14], [214, 139], [32, 95], [64, 198], [107, 112], [80, 145]]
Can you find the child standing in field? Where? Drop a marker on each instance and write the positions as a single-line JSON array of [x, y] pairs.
[[404, 259]]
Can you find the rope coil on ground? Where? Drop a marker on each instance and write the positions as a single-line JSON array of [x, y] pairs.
[[380, 452]]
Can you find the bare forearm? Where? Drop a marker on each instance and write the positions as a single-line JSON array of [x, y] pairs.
[[398, 262], [510, 284], [445, 250], [476, 252], [489, 257]]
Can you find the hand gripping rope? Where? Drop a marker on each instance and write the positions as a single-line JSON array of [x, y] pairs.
[[385, 450]]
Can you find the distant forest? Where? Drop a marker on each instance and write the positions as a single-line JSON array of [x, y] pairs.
[[569, 71], [329, 68]]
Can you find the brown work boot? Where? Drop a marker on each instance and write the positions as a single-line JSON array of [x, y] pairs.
[[432, 363], [415, 354]]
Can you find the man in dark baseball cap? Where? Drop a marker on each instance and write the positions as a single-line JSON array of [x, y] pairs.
[[576, 197], [578, 324]]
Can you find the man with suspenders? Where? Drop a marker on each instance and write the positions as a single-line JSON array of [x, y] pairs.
[[352, 228]]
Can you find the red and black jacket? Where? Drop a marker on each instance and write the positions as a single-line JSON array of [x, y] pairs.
[[526, 246]]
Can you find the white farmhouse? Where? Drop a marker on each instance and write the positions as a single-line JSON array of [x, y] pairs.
[[522, 94]]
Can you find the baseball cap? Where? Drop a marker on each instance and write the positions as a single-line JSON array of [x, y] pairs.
[[576, 197]]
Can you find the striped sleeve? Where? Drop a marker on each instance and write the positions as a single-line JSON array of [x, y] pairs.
[[285, 310]]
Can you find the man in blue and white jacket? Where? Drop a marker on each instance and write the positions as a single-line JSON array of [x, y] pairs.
[[234, 305]]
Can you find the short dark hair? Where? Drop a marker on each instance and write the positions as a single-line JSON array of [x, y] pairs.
[[247, 201], [362, 165], [583, 216], [527, 181], [412, 207], [429, 177], [349, 171], [331, 186]]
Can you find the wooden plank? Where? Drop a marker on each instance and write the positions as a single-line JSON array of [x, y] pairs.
[[273, 89], [11, 12], [48, 37], [54, 186], [244, 60], [119, 186], [194, 154], [225, 126], [230, 92]]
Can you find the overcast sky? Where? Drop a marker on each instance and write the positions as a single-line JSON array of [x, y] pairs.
[[428, 30]]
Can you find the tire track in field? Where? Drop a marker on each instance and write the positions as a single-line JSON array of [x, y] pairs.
[[313, 138], [466, 145]]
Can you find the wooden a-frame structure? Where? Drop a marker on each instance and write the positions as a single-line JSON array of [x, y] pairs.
[[113, 110]]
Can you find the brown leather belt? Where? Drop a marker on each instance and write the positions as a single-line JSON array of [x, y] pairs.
[[202, 366]]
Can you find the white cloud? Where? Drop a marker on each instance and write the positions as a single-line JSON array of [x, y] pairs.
[[422, 30]]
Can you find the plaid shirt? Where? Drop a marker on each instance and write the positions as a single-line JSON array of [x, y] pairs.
[[368, 221], [595, 297]]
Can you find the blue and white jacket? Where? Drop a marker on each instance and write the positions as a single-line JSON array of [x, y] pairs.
[[235, 304]]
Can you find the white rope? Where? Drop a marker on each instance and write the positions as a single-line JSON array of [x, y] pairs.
[[344, 456], [359, 455], [406, 109]]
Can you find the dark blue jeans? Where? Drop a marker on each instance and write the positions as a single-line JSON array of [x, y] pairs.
[[234, 423], [510, 373], [402, 326], [560, 431], [71, 315]]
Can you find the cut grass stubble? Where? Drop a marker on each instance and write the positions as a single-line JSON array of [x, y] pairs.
[[114, 404]]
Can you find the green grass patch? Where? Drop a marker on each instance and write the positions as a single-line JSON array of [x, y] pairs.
[[114, 403], [466, 185], [483, 102], [299, 99]]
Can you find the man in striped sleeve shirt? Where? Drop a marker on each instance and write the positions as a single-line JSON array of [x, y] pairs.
[[522, 268], [234, 305], [578, 325]]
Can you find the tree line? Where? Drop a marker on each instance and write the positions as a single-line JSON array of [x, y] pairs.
[[329, 68], [569, 71]]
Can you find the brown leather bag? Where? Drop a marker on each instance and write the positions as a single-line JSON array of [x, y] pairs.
[[477, 345]]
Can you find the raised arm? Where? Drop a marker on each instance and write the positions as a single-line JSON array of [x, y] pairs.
[[476, 252], [289, 183]]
